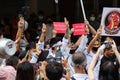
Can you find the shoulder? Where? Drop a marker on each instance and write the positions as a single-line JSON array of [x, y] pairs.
[[79, 77]]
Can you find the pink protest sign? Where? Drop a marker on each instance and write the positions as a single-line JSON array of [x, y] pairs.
[[79, 29], [60, 27]]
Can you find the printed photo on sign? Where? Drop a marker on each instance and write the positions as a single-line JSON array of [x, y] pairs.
[[60, 27], [79, 29], [111, 22]]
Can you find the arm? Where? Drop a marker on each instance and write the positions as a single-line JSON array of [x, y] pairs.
[[20, 28], [17, 43], [54, 33], [69, 39], [97, 36], [42, 37], [67, 29], [92, 30], [82, 44], [114, 48], [42, 68], [66, 36], [82, 41], [25, 39], [91, 74], [77, 42], [67, 75]]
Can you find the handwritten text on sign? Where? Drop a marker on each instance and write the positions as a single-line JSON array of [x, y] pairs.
[[60, 27], [79, 29]]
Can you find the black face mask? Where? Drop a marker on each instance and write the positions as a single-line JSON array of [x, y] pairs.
[[95, 48], [72, 51]]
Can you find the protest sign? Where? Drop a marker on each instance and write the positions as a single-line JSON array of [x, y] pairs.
[[110, 22], [60, 27], [79, 29]]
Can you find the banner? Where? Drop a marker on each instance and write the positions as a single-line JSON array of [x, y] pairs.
[[60, 27], [79, 29], [110, 22]]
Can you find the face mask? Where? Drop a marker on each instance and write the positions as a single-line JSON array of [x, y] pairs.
[[92, 18], [94, 48]]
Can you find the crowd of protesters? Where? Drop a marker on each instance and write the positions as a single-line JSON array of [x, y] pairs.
[[44, 55]]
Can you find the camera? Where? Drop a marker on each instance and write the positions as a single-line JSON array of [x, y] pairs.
[[108, 45]]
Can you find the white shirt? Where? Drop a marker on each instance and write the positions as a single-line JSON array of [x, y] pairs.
[[78, 76], [63, 48], [81, 48], [34, 58], [41, 45], [82, 45], [89, 57]]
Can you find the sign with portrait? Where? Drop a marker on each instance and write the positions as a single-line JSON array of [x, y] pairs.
[[110, 22]]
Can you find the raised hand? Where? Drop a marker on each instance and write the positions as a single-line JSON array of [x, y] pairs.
[[72, 30], [114, 47], [99, 31], [66, 22], [43, 28], [87, 22], [21, 22]]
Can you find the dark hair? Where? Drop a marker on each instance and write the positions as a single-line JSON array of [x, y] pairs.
[[30, 46], [45, 45], [54, 71], [25, 71], [12, 61], [54, 41], [108, 71]]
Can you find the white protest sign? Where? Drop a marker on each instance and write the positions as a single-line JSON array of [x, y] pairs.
[[110, 22]]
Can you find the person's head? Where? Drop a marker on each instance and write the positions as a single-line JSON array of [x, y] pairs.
[[12, 61], [92, 17], [108, 39], [54, 71], [96, 45], [108, 71], [79, 60], [108, 52], [25, 71], [55, 43], [47, 46]]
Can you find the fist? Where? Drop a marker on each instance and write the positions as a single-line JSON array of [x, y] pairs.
[[43, 28], [21, 22]]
